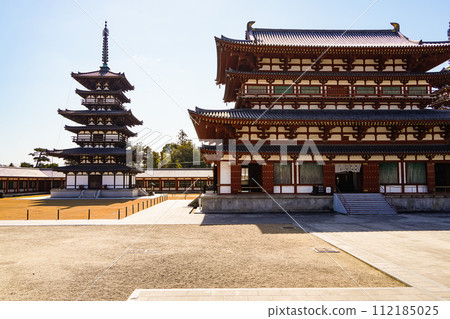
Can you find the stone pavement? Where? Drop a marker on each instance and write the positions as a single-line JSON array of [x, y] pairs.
[[410, 247]]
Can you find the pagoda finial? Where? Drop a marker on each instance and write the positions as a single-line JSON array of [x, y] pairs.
[[105, 47]]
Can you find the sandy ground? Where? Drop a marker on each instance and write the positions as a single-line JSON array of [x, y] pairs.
[[63, 262], [39, 208]]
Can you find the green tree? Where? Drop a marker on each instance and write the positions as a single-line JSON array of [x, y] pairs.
[[181, 153], [25, 164], [40, 157]]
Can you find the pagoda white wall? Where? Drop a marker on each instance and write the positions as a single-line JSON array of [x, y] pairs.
[[119, 181], [70, 182], [108, 180], [82, 180]]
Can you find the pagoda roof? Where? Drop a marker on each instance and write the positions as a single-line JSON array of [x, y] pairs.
[[97, 168], [323, 117], [329, 38], [122, 129], [79, 116], [116, 81], [118, 93], [344, 149], [87, 151]]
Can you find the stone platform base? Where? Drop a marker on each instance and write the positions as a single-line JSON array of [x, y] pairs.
[[92, 193], [419, 203], [262, 203]]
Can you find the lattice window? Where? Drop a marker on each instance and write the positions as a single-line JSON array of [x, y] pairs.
[[388, 173], [391, 90], [256, 89], [310, 90], [365, 90], [282, 173], [283, 89], [417, 90]]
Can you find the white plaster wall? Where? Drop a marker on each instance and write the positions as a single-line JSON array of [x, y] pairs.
[[119, 181], [70, 182], [82, 180], [225, 189], [288, 189], [225, 173], [108, 180], [305, 189]]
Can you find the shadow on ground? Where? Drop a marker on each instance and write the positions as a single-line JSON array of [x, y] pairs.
[[339, 222]]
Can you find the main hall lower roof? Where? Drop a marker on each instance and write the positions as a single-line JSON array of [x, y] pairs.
[[324, 115]]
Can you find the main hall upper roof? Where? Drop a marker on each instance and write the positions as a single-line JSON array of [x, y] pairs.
[[327, 38]]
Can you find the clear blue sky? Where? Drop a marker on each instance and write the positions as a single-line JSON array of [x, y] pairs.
[[42, 42]]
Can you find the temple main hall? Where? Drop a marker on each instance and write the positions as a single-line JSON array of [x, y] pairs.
[[365, 103]]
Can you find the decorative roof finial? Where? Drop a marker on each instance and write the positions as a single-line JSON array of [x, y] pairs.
[[448, 32], [105, 47], [396, 26]]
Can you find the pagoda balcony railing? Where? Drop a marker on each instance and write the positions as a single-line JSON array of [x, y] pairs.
[[99, 140], [100, 101]]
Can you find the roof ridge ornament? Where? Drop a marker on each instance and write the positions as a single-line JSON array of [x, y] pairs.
[[448, 32], [396, 26], [105, 48], [249, 34]]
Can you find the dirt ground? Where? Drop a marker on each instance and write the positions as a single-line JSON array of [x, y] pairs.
[[45, 208], [63, 262]]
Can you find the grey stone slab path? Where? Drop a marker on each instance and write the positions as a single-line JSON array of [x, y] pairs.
[[410, 247]]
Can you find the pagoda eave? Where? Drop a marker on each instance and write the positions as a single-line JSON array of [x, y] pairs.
[[103, 168], [104, 128], [81, 116], [115, 80]]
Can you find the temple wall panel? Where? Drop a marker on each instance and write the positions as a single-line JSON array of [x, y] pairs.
[[119, 180], [82, 180], [108, 180], [70, 181], [304, 189]]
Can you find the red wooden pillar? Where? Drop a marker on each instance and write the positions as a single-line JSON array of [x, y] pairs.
[[431, 177], [371, 177], [329, 179], [235, 178], [267, 177]]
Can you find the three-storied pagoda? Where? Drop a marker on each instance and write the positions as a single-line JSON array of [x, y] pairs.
[[362, 96], [100, 161]]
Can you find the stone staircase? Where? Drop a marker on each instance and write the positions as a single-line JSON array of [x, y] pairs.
[[362, 204]]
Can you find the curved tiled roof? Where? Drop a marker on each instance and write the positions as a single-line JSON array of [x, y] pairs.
[[344, 149], [329, 38], [90, 79], [328, 115], [123, 129], [96, 168], [79, 116], [88, 151]]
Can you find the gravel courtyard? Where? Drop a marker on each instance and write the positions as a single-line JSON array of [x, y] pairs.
[[63, 262]]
